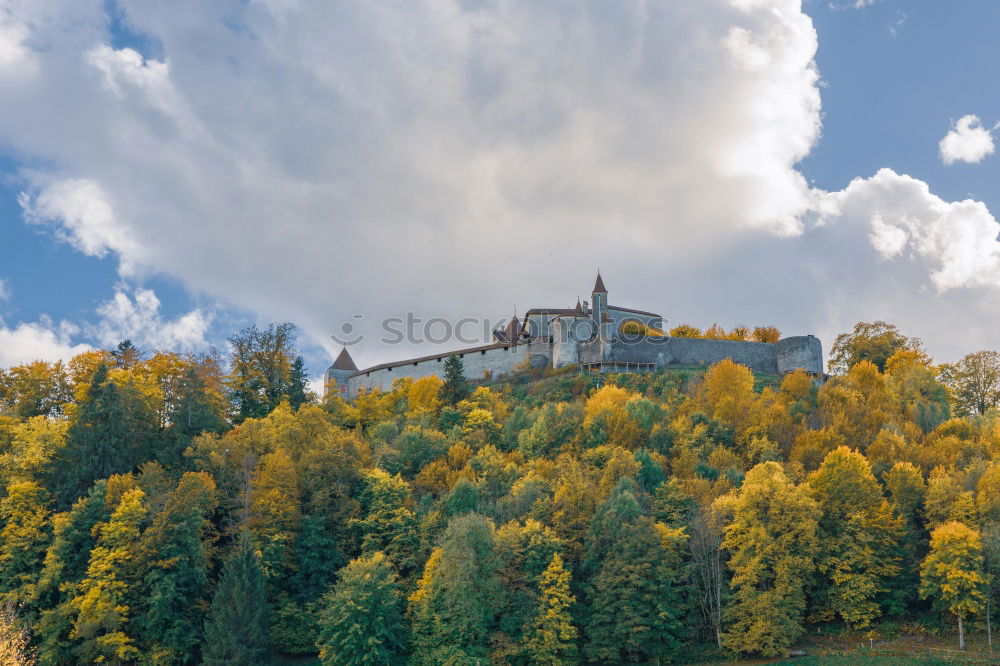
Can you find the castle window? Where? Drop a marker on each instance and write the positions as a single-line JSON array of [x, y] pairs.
[[439, 359], [483, 352]]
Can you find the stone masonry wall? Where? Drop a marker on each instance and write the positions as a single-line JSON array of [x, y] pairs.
[[498, 361]]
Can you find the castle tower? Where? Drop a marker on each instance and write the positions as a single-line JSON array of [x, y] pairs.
[[600, 301], [340, 372]]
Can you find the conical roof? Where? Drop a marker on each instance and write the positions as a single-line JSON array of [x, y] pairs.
[[599, 285], [513, 329], [344, 361]]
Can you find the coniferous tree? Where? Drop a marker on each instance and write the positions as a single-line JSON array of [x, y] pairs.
[[176, 565], [237, 630], [112, 432], [106, 598], [456, 386], [65, 565], [126, 355], [361, 621], [637, 601], [298, 384], [192, 413], [553, 637]]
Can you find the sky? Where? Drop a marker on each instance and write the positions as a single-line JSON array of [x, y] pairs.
[[171, 173]]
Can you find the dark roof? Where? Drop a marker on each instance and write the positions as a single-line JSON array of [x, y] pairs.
[[513, 329], [555, 311], [599, 285], [640, 312], [421, 359], [344, 361]]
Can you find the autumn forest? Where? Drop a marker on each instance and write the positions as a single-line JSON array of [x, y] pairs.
[[172, 509]]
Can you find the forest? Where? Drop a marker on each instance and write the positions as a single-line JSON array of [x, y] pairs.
[[170, 509]]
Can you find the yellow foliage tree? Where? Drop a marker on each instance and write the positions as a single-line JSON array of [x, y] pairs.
[[952, 573]]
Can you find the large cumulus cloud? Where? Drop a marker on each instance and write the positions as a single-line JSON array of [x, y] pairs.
[[308, 160]]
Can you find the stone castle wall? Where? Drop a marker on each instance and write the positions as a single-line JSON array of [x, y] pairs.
[[496, 360], [787, 355]]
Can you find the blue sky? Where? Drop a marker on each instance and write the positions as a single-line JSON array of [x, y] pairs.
[[174, 176]]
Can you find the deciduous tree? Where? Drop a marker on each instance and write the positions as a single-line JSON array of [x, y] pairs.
[[361, 622], [952, 573]]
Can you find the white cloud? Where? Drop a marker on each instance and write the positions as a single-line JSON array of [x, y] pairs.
[[281, 149], [38, 341], [957, 240], [967, 141], [4, 291], [85, 217], [137, 317], [309, 160], [852, 4]]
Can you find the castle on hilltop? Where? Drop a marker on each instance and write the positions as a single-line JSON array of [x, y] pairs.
[[595, 336]]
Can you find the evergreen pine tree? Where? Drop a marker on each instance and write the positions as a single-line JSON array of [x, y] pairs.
[[176, 565], [237, 631], [456, 386], [298, 384], [126, 355], [65, 565], [106, 598], [193, 413], [318, 558], [636, 606], [361, 621], [110, 435], [552, 641]]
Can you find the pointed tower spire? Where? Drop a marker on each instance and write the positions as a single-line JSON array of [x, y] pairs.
[[599, 287], [344, 361]]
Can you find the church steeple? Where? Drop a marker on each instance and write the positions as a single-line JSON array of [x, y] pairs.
[[600, 296], [599, 287]]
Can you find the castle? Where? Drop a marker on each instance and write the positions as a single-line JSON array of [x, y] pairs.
[[595, 336]]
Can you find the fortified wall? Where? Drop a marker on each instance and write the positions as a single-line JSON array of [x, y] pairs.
[[591, 336]]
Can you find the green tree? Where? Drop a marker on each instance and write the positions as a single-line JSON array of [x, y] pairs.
[[361, 621], [261, 369], [317, 558], [552, 640], [65, 566], [453, 609], [874, 342], [106, 599], [456, 387], [193, 412], [175, 561], [110, 436], [952, 573], [298, 384], [772, 543], [237, 630], [637, 601]]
